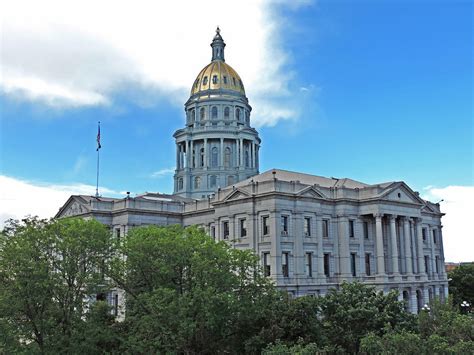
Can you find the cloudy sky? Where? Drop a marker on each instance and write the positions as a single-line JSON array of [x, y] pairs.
[[372, 90]]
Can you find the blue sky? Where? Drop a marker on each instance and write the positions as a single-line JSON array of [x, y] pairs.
[[372, 90]]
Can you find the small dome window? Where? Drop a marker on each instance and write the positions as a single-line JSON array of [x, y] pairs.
[[225, 79], [214, 79], [226, 112], [237, 114], [233, 80], [204, 81], [197, 182], [214, 112], [202, 113]]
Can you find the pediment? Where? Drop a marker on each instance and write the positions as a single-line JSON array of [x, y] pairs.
[[72, 207], [237, 194], [311, 192], [400, 192]]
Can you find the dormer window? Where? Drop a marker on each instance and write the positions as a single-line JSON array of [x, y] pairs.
[[204, 81], [214, 79], [225, 79]]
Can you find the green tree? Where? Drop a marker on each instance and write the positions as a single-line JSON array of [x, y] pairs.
[[356, 309], [186, 293], [461, 286], [48, 269]]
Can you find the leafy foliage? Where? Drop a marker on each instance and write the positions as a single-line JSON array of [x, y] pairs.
[[461, 286]]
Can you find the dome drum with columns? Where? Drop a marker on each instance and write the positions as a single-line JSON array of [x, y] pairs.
[[218, 147]]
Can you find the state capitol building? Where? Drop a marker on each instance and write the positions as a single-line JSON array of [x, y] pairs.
[[311, 232]]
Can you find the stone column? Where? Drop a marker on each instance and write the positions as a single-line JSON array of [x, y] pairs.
[[360, 233], [413, 243], [379, 245], [192, 155], [187, 155], [241, 164], [178, 153], [222, 153], [319, 235], [344, 253], [432, 257], [252, 152], [296, 231], [394, 244], [406, 236], [421, 256], [205, 165]]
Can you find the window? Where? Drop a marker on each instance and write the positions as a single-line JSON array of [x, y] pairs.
[[284, 225], [201, 156], [284, 265], [309, 264], [434, 236], [366, 230], [193, 158], [214, 79], [117, 233], [225, 79], [116, 305], [213, 232], [266, 264], [427, 264], [202, 113], [180, 183], [214, 112], [423, 233], [247, 117], [307, 226], [227, 157], [212, 181], [367, 264], [437, 264], [197, 182], [204, 81], [226, 113], [326, 265], [351, 229], [243, 227], [230, 180], [233, 81], [225, 230], [214, 157], [353, 264], [237, 114], [193, 115], [265, 227], [325, 228]]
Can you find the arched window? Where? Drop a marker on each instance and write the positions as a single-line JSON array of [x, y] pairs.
[[227, 157], [214, 157], [214, 79], [237, 114], [180, 183], [247, 117], [204, 81], [212, 181], [225, 79], [197, 182], [193, 115], [233, 80], [201, 157], [214, 112], [226, 112], [230, 180], [202, 113]]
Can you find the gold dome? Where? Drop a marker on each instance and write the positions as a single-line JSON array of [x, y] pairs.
[[218, 75]]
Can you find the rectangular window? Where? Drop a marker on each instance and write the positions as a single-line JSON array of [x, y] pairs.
[[427, 264], [325, 228], [353, 264], [225, 230], [213, 232], [307, 226], [434, 236], [266, 264], [423, 233], [243, 227], [265, 228], [351, 229], [284, 265], [284, 225], [309, 264], [367, 264], [116, 304], [326, 265], [117, 233], [366, 230], [437, 264]]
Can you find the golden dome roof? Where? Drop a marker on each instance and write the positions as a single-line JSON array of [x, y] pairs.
[[218, 75]]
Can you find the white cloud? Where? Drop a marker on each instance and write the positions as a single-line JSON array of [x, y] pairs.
[[458, 205], [19, 198], [162, 173], [80, 53]]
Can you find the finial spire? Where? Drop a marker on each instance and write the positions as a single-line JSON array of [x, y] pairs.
[[218, 46]]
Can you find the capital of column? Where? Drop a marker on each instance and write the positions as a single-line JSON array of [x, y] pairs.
[[378, 215], [392, 217]]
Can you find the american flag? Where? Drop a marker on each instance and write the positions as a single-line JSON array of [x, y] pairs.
[[98, 138]]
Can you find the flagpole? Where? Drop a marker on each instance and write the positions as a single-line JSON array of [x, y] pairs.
[[98, 156]]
